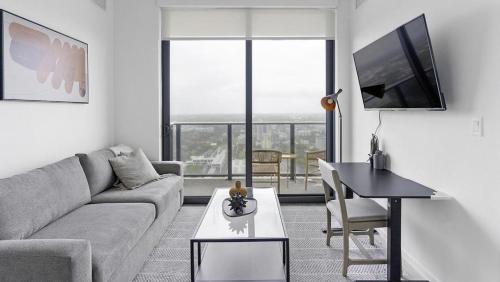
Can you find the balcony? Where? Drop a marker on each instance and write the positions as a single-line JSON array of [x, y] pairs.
[[214, 153]]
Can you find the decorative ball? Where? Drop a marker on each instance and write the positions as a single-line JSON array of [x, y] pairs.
[[238, 189]]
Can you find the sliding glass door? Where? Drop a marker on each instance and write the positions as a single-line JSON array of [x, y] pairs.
[[207, 85]]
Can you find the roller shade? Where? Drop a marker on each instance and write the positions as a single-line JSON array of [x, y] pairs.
[[255, 23]]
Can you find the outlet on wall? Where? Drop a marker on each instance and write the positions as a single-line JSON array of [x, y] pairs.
[[477, 126]]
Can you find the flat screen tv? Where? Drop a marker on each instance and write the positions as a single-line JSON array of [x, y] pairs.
[[398, 72]]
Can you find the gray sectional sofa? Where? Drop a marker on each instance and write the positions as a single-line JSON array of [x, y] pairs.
[[66, 222]]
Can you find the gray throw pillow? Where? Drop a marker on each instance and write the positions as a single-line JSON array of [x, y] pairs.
[[134, 170]]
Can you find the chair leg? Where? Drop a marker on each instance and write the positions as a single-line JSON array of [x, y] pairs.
[[371, 233], [328, 227], [345, 264]]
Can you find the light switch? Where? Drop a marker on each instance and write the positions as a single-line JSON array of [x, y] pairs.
[[477, 126]]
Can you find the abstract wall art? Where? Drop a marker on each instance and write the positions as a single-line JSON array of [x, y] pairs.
[[41, 64]]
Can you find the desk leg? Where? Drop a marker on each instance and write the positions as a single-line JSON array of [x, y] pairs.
[[284, 252], [199, 253], [191, 248], [394, 266], [394, 240], [287, 260]]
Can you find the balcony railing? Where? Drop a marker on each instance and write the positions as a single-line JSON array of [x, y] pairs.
[[218, 148]]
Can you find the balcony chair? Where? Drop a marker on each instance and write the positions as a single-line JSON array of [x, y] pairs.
[[267, 163], [352, 214], [312, 167]]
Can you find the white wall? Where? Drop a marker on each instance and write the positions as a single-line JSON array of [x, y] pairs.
[[343, 57], [456, 240], [137, 75], [33, 134]]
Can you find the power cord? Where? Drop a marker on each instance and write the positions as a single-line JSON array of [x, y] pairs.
[[379, 123], [374, 141]]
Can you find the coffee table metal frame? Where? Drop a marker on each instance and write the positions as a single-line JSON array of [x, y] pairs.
[[193, 241]]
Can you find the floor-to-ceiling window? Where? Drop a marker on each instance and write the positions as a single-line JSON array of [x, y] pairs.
[[207, 95], [241, 91]]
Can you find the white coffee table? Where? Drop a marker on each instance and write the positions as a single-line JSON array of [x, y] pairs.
[[252, 247]]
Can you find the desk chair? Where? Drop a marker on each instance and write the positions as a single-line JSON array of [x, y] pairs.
[[267, 163], [352, 214]]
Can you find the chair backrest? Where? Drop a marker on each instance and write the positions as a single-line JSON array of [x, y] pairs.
[[331, 179], [266, 156], [312, 158], [315, 155]]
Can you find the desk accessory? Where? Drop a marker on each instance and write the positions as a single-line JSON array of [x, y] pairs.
[[379, 160], [374, 144], [373, 148]]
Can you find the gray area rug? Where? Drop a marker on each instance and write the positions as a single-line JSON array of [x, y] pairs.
[[311, 259]]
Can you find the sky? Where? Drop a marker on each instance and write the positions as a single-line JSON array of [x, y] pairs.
[[208, 77]]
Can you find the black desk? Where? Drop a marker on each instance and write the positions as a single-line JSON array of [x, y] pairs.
[[370, 183]]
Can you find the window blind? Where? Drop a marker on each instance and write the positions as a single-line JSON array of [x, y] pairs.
[[251, 23]]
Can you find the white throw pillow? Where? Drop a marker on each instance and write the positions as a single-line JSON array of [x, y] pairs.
[[121, 149], [134, 169]]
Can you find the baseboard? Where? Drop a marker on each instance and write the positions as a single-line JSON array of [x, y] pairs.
[[412, 268]]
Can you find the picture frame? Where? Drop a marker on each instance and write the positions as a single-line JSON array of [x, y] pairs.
[[38, 63]]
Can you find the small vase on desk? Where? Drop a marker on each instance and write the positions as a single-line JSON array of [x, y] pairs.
[[379, 160]]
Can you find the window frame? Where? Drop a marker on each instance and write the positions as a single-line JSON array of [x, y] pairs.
[[167, 140]]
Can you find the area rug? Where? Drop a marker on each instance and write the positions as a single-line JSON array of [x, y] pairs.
[[311, 259]]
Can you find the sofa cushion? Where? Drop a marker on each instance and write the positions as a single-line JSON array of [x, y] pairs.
[[112, 229], [121, 149], [134, 170], [159, 193], [32, 200], [98, 170]]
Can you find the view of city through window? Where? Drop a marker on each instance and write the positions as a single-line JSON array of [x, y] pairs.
[[207, 80]]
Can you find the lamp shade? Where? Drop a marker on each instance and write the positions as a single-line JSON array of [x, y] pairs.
[[328, 103]]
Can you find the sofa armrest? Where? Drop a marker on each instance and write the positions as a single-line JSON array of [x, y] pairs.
[[164, 167], [45, 260]]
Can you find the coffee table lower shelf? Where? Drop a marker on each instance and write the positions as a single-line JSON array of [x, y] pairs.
[[240, 261]]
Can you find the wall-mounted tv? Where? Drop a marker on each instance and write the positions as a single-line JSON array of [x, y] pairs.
[[398, 72]]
